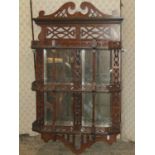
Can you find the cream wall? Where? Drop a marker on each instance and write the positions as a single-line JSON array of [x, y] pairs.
[[128, 71], [27, 97]]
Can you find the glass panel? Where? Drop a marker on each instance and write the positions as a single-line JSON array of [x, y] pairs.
[[57, 67], [58, 108], [103, 67], [49, 106], [102, 110], [87, 109], [86, 57], [64, 114]]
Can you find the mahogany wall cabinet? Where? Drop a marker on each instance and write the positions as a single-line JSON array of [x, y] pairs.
[[77, 76]]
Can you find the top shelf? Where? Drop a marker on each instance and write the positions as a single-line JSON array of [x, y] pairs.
[[64, 16], [114, 20]]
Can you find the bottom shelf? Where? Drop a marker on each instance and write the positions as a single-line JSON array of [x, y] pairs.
[[78, 143], [76, 140]]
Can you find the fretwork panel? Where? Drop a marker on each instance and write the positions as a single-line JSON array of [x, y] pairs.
[[106, 32], [77, 97], [60, 32]]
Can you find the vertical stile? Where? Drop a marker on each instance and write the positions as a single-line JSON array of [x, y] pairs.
[[77, 96], [94, 86], [45, 76], [111, 79], [120, 82], [54, 93], [111, 67], [63, 67], [40, 77], [83, 81]]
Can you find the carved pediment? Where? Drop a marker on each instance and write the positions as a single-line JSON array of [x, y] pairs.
[[68, 10]]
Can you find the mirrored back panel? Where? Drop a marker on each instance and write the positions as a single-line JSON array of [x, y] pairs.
[[58, 66], [58, 109]]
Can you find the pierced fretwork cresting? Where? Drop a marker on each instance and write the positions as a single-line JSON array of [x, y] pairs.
[[64, 11]]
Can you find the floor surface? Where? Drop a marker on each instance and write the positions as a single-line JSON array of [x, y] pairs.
[[35, 146]]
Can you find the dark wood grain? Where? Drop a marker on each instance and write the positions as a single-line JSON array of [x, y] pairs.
[[63, 30]]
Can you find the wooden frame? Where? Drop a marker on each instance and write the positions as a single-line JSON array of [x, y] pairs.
[[85, 31]]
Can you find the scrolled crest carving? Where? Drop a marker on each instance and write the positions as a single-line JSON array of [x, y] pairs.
[[62, 12], [65, 11], [92, 10]]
